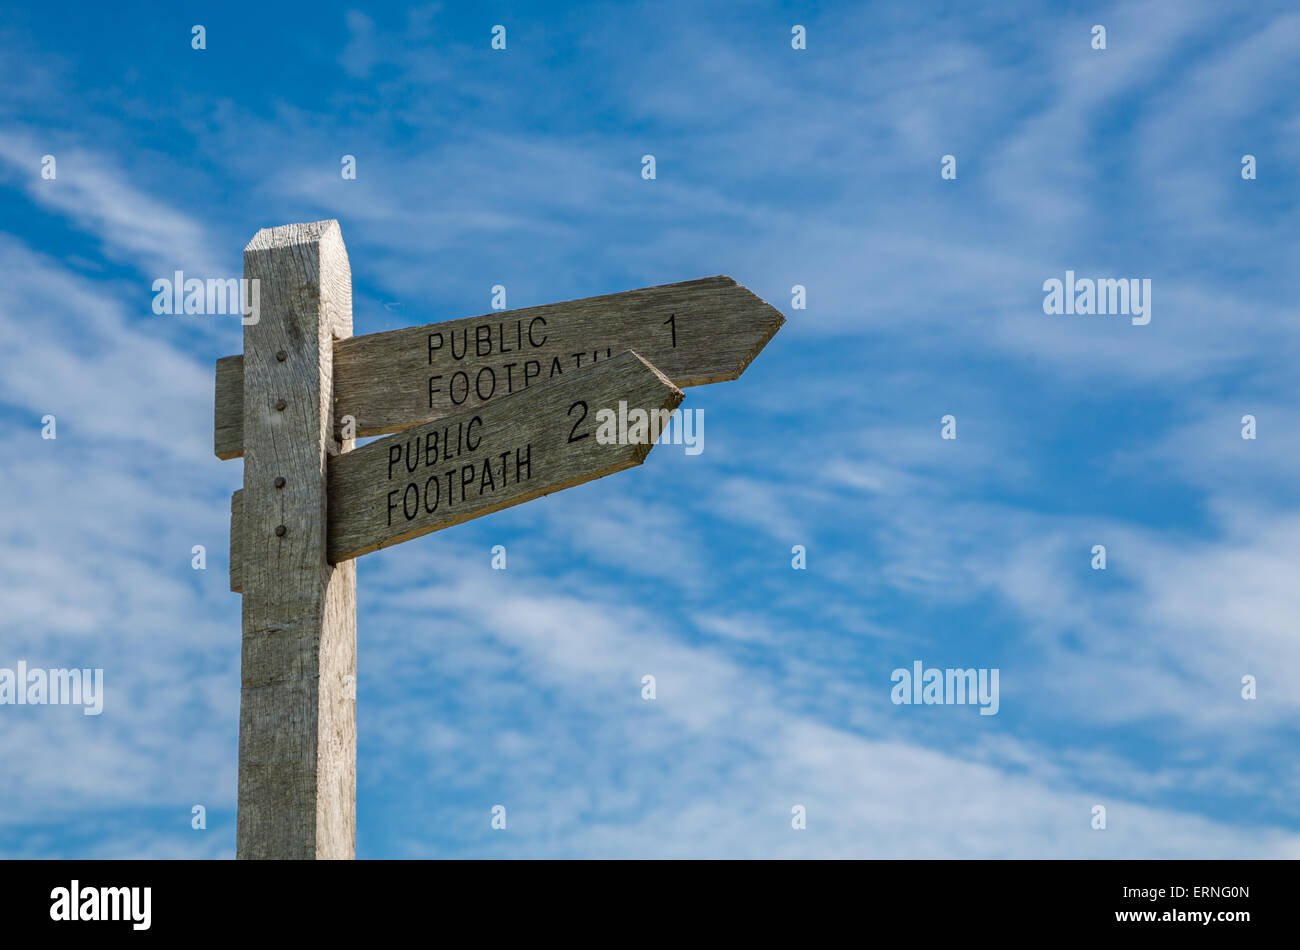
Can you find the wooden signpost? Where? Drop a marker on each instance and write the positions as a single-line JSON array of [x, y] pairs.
[[489, 412]]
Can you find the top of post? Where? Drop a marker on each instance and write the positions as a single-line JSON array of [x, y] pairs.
[[286, 235]]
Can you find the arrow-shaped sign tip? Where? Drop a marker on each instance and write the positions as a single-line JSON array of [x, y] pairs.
[[751, 323]]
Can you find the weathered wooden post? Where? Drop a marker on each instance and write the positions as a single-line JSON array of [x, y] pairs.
[[297, 715], [490, 412]]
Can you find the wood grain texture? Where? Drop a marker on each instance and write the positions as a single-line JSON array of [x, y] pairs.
[[695, 332], [236, 554], [297, 717], [471, 463], [228, 408]]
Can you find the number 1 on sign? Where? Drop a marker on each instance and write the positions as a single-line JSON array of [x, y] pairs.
[[671, 322]]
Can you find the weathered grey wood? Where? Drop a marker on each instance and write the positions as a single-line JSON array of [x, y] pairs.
[[297, 716], [236, 554], [228, 408], [474, 462], [383, 380]]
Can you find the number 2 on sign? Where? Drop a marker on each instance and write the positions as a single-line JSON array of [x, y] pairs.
[[573, 436]]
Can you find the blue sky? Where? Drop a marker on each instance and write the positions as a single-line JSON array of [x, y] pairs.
[[778, 167]]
